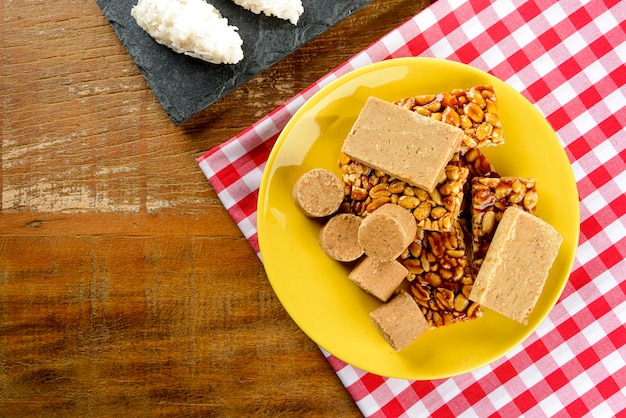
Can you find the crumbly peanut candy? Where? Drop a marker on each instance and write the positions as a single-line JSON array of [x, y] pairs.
[[517, 265], [387, 232], [378, 278], [474, 110], [402, 143], [366, 189], [440, 277], [490, 198], [338, 238], [318, 193], [399, 333]]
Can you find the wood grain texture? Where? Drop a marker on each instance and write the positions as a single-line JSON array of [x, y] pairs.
[[125, 287]]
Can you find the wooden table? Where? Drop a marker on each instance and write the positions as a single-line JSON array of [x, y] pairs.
[[125, 287]]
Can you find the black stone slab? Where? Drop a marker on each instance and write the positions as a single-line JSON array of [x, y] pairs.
[[185, 85]]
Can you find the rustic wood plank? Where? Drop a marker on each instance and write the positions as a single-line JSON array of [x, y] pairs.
[[125, 286], [90, 333]]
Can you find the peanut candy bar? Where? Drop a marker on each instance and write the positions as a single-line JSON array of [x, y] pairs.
[[478, 166], [490, 198], [367, 189], [440, 278], [475, 110]]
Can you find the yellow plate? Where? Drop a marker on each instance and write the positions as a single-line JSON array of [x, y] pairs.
[[315, 290]]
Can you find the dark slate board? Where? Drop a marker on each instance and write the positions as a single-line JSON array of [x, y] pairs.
[[185, 85]]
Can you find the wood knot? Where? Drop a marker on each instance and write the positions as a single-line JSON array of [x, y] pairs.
[[34, 224]]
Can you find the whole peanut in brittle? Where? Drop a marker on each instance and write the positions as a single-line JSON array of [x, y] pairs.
[[477, 164]]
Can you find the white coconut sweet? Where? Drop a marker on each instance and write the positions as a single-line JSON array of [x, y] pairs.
[[191, 27], [290, 10]]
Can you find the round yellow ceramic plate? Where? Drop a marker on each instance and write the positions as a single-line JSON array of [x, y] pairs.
[[315, 290]]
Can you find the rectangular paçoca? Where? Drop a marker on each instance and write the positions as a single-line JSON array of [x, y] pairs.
[[516, 266], [402, 143]]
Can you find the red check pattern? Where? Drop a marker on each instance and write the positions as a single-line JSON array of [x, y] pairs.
[[568, 58]]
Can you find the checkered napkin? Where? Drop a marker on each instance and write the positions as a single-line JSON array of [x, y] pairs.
[[568, 58]]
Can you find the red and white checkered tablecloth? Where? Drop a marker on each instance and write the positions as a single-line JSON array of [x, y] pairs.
[[568, 58]]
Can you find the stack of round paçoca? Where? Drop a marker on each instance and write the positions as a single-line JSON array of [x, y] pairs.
[[376, 241]]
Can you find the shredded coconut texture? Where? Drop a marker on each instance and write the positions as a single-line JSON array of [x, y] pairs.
[[191, 27], [290, 10]]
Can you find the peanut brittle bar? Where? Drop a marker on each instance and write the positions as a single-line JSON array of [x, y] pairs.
[[478, 166], [475, 110], [490, 198], [366, 189], [440, 277]]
